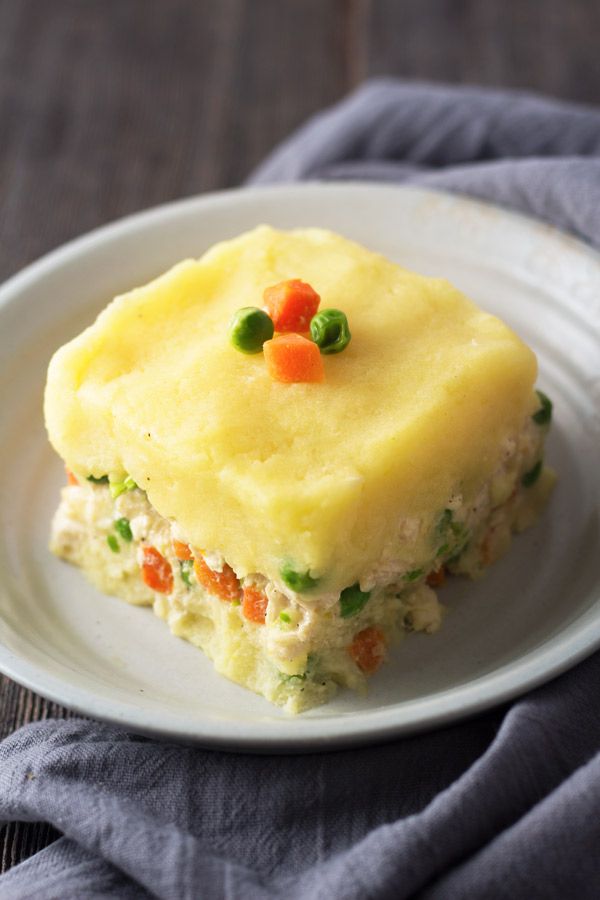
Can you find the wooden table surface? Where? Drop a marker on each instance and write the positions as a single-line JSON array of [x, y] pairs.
[[110, 106]]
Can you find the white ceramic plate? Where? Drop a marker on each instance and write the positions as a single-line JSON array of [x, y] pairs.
[[534, 615]]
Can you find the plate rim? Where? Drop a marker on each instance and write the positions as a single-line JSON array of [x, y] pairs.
[[123, 224], [311, 740], [538, 666]]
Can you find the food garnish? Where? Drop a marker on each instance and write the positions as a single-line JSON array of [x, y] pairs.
[[291, 305], [250, 327], [292, 358], [329, 330]]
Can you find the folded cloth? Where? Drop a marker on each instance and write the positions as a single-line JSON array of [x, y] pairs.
[[530, 153], [502, 806]]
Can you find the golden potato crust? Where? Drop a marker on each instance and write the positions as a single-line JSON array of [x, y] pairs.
[[321, 476]]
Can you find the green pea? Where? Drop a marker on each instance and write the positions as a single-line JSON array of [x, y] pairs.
[[121, 487], [285, 618], [123, 527], [329, 330], [287, 678], [352, 600], [249, 328], [532, 476], [413, 575], [112, 543], [544, 413], [297, 581], [186, 566]]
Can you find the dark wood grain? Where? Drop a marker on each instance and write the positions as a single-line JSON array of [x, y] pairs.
[[110, 106], [548, 46]]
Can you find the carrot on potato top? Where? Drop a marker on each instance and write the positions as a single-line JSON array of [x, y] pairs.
[[368, 649], [156, 571], [291, 304], [70, 477], [223, 584], [181, 550], [254, 605], [292, 358]]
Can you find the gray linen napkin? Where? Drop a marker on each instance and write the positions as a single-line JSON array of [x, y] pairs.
[[502, 806], [530, 153]]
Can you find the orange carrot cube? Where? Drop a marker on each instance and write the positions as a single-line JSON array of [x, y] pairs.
[[254, 605], [156, 571], [291, 305], [292, 358], [181, 550], [437, 578], [224, 585], [368, 649]]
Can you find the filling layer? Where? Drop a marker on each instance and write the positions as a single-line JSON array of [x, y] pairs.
[[286, 640]]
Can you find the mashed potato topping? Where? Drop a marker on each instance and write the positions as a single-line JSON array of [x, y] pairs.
[[318, 476], [294, 531]]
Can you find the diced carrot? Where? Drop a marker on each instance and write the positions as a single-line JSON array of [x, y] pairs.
[[254, 605], [156, 571], [70, 477], [292, 358], [437, 578], [181, 550], [368, 649], [291, 304], [223, 584]]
